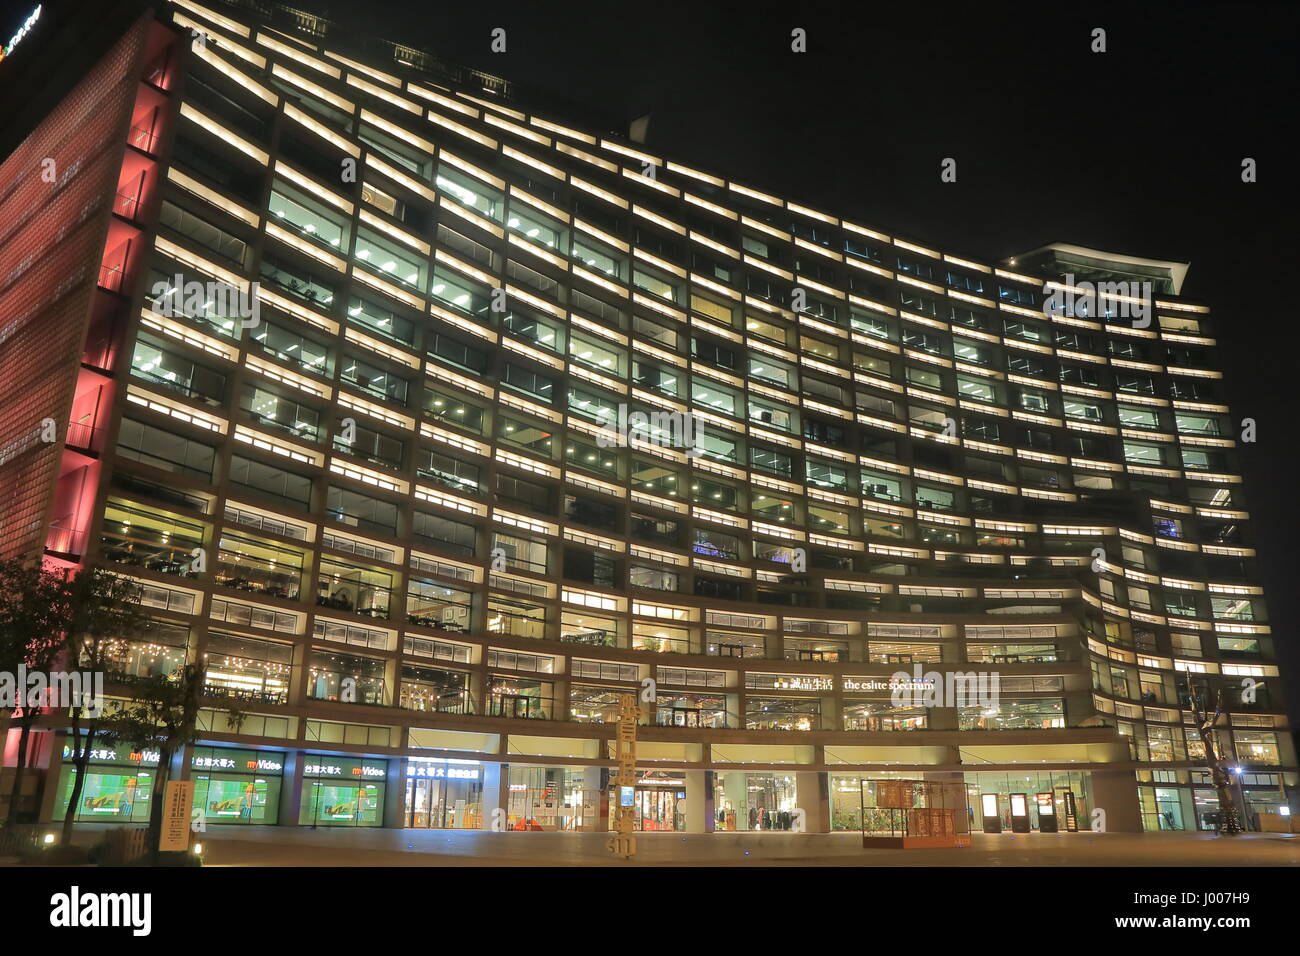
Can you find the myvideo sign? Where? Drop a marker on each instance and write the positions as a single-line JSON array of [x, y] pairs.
[[23, 30]]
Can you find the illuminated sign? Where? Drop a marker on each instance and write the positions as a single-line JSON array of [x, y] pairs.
[[110, 755], [799, 682], [442, 769], [886, 683], [340, 770], [22, 32]]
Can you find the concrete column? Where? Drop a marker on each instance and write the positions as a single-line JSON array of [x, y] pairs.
[[394, 815], [291, 789], [53, 778], [595, 797], [1114, 791], [700, 815], [496, 793], [812, 796]]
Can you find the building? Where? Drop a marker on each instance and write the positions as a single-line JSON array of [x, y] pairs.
[[342, 344]]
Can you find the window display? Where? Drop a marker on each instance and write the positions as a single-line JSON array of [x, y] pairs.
[[236, 786], [338, 791], [753, 801], [118, 788]]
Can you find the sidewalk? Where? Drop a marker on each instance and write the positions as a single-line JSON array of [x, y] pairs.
[[273, 846]]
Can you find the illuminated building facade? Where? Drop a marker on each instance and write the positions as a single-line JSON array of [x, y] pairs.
[[335, 336]]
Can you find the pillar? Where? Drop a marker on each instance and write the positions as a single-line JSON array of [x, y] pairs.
[[812, 796], [700, 814], [394, 815], [54, 782], [496, 794], [291, 789], [595, 800], [1115, 791]]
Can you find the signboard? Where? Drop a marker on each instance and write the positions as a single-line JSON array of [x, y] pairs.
[[175, 833], [624, 843], [1071, 813], [25, 29], [444, 769], [885, 684]]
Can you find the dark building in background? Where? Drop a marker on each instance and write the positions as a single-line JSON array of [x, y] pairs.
[[332, 335]]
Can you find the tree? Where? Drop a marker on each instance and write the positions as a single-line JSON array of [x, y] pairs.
[[1206, 725], [34, 612], [163, 714], [104, 606]]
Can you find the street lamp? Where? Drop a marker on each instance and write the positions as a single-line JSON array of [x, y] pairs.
[[1241, 790]]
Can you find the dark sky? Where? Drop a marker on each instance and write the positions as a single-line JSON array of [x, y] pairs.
[[1135, 150]]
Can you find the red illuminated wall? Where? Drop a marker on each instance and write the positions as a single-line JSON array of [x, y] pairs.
[[52, 245]]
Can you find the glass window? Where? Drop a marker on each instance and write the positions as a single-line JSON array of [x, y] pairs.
[[307, 216], [470, 192]]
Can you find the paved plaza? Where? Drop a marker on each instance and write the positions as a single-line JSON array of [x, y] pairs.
[[274, 846]]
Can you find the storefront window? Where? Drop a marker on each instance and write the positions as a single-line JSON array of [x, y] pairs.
[[661, 801], [342, 792], [236, 786], [593, 704], [1027, 714], [754, 801], [247, 668], [782, 713], [162, 655], [555, 798], [1068, 789], [882, 715], [348, 678], [436, 690], [516, 697], [444, 794], [1256, 746], [118, 788], [691, 710]]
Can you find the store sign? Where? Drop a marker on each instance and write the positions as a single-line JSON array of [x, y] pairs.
[[887, 684], [237, 762], [339, 770], [110, 755], [25, 29], [795, 682], [440, 770], [623, 843]]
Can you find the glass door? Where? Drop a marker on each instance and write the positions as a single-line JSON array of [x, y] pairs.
[[417, 803]]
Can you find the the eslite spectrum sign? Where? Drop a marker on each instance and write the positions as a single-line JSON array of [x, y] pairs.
[[23, 30]]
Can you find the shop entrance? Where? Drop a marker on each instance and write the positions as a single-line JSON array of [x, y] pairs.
[[443, 804], [660, 808]]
